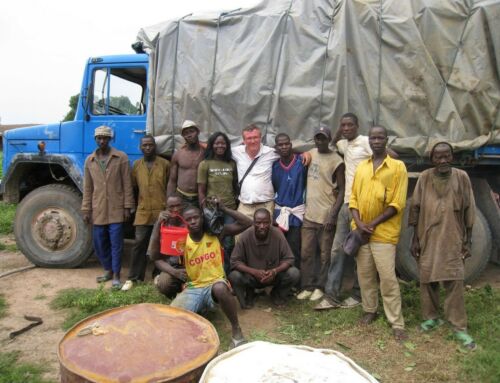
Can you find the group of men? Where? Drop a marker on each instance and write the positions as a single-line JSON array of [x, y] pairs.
[[295, 211]]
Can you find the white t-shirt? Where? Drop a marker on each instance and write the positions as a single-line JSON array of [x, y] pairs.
[[257, 187], [354, 152]]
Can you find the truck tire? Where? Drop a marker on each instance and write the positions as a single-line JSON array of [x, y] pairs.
[[49, 227], [474, 266]]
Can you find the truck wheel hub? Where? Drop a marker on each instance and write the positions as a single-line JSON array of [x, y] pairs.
[[53, 229]]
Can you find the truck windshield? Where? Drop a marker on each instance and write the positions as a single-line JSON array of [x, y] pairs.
[[119, 91]]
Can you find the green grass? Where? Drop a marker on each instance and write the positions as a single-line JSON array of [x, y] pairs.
[[8, 247], [483, 309], [3, 306], [85, 302], [12, 371], [7, 212]]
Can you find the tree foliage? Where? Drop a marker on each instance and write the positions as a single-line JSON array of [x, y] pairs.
[[73, 103]]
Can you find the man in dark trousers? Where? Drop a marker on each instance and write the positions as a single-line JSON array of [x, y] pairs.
[[262, 258], [442, 212], [149, 178], [184, 167], [107, 200]]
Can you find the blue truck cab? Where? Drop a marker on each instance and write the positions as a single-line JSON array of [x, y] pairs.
[[43, 165]]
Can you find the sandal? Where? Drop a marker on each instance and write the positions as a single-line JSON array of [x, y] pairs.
[[116, 284], [400, 335], [430, 324], [466, 339], [237, 342], [104, 278]]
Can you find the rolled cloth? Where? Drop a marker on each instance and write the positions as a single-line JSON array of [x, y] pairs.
[[103, 131]]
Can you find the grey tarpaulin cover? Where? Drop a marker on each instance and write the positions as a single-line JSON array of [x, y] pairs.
[[425, 69]]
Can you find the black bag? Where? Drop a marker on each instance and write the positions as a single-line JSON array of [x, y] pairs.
[[213, 220], [354, 240]]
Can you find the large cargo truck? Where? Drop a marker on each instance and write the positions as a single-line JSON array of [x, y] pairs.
[[425, 69]]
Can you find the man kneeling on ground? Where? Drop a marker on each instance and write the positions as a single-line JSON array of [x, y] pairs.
[[262, 258], [206, 282]]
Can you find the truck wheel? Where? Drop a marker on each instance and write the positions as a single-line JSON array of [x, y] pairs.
[[481, 250], [49, 228]]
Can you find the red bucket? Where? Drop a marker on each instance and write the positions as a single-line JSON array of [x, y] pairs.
[[173, 240]]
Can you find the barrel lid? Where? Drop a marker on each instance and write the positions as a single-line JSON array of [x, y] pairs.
[[138, 343]]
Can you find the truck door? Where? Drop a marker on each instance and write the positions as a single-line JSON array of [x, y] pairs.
[[118, 96]]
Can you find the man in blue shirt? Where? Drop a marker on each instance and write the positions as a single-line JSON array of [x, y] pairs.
[[289, 181]]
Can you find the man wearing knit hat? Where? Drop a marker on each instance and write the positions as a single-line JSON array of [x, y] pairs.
[[184, 166], [107, 200]]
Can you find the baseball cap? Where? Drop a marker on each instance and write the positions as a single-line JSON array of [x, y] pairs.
[[324, 131], [188, 124]]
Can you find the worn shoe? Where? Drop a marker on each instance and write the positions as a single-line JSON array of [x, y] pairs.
[[237, 342], [127, 285], [327, 304], [156, 279], [116, 284], [304, 294], [400, 334], [368, 318], [466, 340], [104, 278], [349, 303], [316, 294], [430, 324]]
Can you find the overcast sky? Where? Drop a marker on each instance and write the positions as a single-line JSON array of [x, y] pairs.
[[44, 46]]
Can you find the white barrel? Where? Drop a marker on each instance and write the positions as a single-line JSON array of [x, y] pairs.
[[276, 363]]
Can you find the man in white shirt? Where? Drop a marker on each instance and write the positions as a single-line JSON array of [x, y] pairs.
[[256, 190]]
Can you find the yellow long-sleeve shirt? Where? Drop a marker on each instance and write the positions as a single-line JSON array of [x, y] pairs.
[[373, 192]]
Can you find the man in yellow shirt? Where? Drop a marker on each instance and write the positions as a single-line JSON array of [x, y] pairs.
[[377, 202], [206, 283]]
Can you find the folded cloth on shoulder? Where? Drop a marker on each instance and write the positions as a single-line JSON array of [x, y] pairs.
[[283, 218], [354, 240]]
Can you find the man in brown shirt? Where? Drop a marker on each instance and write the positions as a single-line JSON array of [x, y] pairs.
[[184, 169], [107, 200], [149, 178], [442, 212], [261, 258]]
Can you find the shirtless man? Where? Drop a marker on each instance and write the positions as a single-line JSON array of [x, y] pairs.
[[184, 166]]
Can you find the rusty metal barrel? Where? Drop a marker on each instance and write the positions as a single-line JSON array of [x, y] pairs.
[[138, 343]]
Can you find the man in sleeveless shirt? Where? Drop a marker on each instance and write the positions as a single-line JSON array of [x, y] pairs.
[[324, 196]]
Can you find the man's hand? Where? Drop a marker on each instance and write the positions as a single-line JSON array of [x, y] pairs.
[[86, 217], [365, 228], [415, 247], [127, 215], [466, 250], [268, 278], [330, 222], [181, 274], [306, 158]]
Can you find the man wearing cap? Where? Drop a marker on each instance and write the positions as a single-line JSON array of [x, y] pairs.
[[325, 194], [184, 166], [107, 200]]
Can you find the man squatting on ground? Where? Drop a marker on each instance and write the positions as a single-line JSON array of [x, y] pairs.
[[442, 213], [149, 179], [289, 182], [106, 203], [206, 281], [377, 201], [172, 271], [325, 194], [262, 258], [184, 166]]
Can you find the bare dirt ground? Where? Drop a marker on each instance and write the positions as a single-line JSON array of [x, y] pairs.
[[30, 293]]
